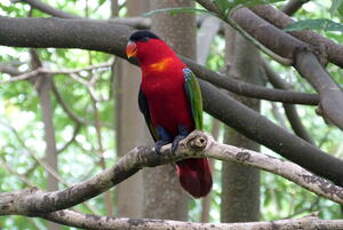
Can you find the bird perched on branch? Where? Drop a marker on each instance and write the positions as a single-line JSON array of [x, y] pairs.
[[170, 100]]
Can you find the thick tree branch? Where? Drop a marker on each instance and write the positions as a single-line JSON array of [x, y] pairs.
[[67, 33], [250, 90], [331, 95], [71, 29], [260, 129], [288, 46], [236, 86], [272, 37], [33, 202], [210, 6], [111, 38], [323, 45], [79, 220]]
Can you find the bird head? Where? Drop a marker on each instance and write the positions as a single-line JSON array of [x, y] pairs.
[[147, 47]]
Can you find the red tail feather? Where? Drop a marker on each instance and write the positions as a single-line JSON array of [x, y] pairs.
[[195, 176]]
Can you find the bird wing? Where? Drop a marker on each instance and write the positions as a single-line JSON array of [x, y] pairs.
[[194, 97], [144, 108]]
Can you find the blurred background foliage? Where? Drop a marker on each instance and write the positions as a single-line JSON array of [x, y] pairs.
[[21, 129]]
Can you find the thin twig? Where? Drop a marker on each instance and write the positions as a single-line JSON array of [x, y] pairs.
[[22, 177], [71, 72], [41, 162], [72, 139]]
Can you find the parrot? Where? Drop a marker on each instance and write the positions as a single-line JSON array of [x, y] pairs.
[[170, 100]]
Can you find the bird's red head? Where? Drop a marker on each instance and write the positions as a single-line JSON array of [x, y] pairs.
[[147, 48]]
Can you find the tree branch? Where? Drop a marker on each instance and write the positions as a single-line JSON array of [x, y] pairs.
[[9, 69], [45, 8], [79, 220], [325, 46], [18, 76], [72, 139], [250, 90], [112, 38], [210, 6], [260, 129], [228, 83], [290, 110], [33, 202], [331, 95], [22, 177], [21, 76], [293, 6], [270, 36]]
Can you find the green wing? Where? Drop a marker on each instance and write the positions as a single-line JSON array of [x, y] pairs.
[[144, 108], [193, 93]]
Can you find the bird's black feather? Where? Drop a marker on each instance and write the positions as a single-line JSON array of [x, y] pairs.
[[142, 35]]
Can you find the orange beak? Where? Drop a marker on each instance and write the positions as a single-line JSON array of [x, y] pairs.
[[131, 49]]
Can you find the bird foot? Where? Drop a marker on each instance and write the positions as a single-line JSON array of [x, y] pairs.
[[159, 144], [176, 142]]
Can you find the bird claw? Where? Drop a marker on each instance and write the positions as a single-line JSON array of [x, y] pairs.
[[176, 142], [159, 144]]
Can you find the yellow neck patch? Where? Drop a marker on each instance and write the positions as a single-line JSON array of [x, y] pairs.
[[161, 65]]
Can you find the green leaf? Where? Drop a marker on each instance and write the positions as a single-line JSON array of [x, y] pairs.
[[336, 7], [315, 24], [177, 10], [223, 5]]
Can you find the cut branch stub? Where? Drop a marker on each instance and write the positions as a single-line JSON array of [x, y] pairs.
[[197, 141]]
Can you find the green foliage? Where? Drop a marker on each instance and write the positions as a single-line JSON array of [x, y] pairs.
[[315, 24], [336, 7], [321, 22], [223, 5], [20, 109]]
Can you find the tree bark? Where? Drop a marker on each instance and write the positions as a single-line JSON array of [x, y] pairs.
[[49, 135], [163, 195], [34, 202], [130, 125], [43, 84], [241, 185], [112, 38]]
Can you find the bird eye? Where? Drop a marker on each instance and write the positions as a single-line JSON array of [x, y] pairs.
[[145, 39]]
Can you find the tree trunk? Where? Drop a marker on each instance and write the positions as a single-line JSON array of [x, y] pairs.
[[44, 88], [163, 195], [240, 184], [131, 128], [43, 84]]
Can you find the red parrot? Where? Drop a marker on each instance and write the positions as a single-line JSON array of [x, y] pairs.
[[170, 100]]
